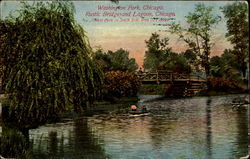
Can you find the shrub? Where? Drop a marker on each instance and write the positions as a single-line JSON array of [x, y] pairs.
[[121, 84], [222, 84]]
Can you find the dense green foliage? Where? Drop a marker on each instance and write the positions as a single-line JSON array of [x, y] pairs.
[[215, 66], [198, 33], [121, 84], [225, 66], [191, 59], [118, 60], [176, 63], [160, 57], [46, 62], [236, 16], [156, 53]]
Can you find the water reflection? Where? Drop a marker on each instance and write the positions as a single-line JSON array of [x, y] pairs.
[[178, 129], [242, 133], [67, 140], [200, 128], [208, 129], [53, 143]]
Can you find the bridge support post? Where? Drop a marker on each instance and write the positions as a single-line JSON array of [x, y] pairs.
[[157, 77]]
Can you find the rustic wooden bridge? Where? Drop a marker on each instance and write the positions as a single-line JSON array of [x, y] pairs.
[[180, 84], [163, 77]]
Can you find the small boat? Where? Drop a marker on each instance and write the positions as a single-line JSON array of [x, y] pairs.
[[139, 113], [239, 106], [239, 103], [246, 157]]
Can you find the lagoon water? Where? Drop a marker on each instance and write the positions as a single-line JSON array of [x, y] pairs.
[[189, 128]]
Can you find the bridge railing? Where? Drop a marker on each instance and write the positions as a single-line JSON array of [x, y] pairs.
[[198, 77], [168, 76], [154, 75]]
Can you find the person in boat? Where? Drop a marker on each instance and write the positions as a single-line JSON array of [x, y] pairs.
[[133, 107]]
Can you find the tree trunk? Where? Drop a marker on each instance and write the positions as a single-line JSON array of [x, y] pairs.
[[243, 69], [25, 133], [207, 70]]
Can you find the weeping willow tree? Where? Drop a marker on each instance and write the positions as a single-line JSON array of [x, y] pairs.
[[46, 64]]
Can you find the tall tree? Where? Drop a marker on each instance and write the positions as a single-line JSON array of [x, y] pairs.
[[236, 15], [50, 64], [102, 59], [176, 63], [191, 58], [120, 61], [115, 60], [157, 51], [225, 65], [198, 33], [215, 66], [230, 68], [160, 57]]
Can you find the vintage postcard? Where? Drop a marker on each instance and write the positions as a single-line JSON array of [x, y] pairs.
[[124, 79]]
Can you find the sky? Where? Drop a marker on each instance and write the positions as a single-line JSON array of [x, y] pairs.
[[128, 24]]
